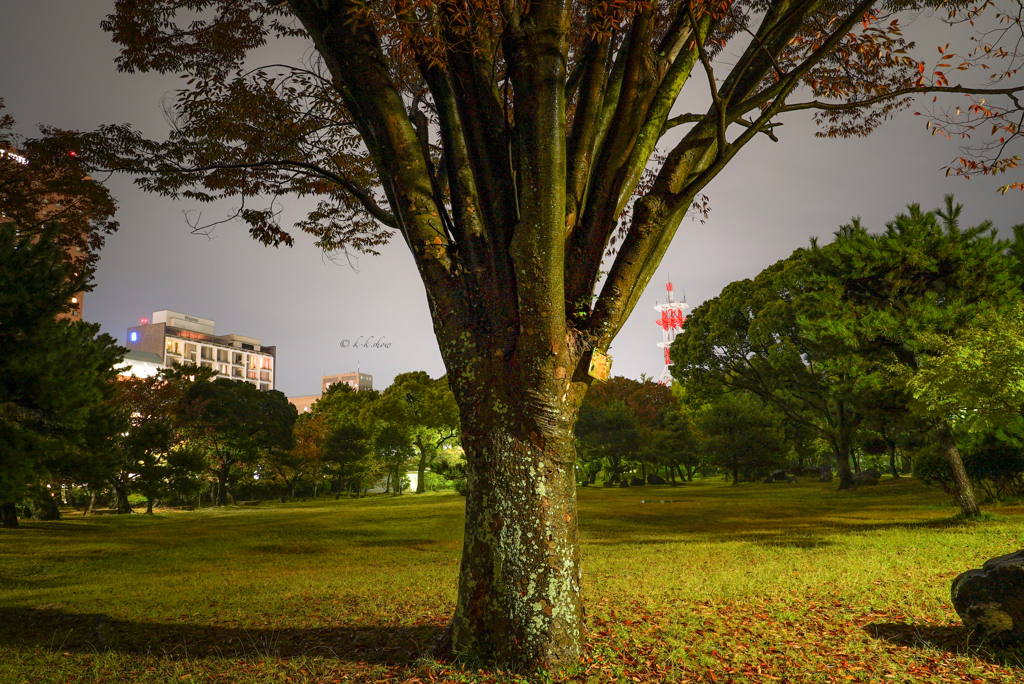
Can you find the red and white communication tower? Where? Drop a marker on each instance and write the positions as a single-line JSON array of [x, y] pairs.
[[671, 323]]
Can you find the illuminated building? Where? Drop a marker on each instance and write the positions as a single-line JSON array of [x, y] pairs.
[[179, 338], [140, 364], [358, 381]]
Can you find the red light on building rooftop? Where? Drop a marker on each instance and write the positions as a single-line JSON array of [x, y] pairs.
[[144, 321]]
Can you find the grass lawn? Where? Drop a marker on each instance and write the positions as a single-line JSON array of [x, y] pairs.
[[701, 583]]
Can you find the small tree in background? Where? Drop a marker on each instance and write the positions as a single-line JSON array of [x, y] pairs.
[[393, 445], [743, 435], [679, 444], [609, 434], [427, 407], [238, 421], [158, 413], [285, 467]]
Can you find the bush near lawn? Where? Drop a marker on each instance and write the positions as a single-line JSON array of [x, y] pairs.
[[702, 583]]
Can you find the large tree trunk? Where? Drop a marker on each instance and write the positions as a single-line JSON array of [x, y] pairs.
[[9, 514], [964, 490], [519, 601], [121, 503], [892, 460], [222, 484], [843, 466], [421, 466], [421, 469]]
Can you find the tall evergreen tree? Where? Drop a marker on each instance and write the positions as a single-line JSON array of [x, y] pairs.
[[56, 376], [887, 298]]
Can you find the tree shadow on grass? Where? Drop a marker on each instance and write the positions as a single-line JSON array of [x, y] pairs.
[[47, 628], [796, 531], [957, 640]]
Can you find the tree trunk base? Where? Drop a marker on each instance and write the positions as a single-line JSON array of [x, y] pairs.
[[9, 515]]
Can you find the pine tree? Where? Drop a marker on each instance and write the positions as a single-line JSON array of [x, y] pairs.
[[55, 376]]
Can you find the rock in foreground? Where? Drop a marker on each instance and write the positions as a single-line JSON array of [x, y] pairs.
[[990, 601]]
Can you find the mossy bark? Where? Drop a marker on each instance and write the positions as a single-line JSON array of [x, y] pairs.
[[520, 602]]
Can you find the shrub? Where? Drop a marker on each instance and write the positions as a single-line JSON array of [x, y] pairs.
[[432, 482], [994, 467], [930, 467]]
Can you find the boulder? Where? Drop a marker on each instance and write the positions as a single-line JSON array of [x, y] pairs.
[[655, 479], [778, 475], [871, 476], [990, 601], [636, 482]]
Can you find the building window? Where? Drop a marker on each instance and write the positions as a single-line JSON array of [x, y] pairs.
[[236, 372], [190, 352], [239, 360], [207, 364], [134, 337], [223, 368], [173, 347], [222, 355], [252, 362], [265, 376], [252, 375], [207, 353], [264, 386], [265, 362]]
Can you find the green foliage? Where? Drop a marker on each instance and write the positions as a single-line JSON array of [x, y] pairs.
[[836, 337], [433, 482], [608, 435], [349, 456], [995, 466], [427, 408], [237, 423], [56, 376], [743, 436], [394, 448], [751, 339], [975, 373], [679, 444]]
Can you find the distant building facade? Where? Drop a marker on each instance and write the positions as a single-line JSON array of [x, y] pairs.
[[54, 206], [179, 338], [358, 381]]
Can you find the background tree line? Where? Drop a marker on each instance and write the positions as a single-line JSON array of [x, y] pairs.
[[884, 346]]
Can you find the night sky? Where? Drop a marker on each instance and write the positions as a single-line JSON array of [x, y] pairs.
[[58, 69]]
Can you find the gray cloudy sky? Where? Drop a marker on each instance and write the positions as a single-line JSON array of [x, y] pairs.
[[57, 68]]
